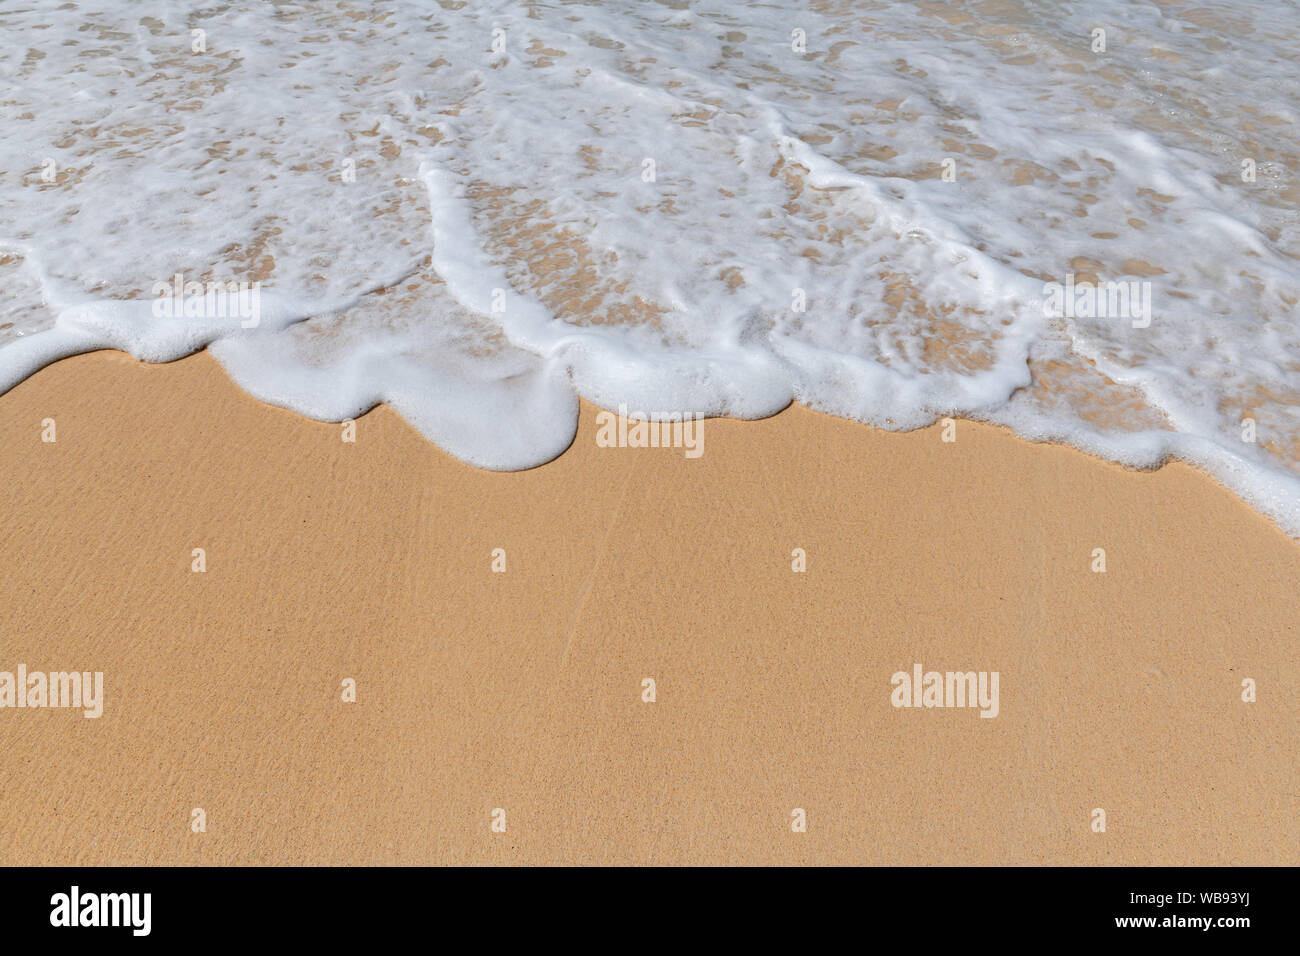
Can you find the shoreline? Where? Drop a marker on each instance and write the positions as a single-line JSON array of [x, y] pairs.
[[523, 689]]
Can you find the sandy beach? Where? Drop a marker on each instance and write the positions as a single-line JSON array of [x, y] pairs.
[[523, 691]]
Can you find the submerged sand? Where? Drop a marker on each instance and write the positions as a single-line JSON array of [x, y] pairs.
[[523, 691]]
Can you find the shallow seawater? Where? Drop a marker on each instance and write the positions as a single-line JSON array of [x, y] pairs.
[[1079, 220]]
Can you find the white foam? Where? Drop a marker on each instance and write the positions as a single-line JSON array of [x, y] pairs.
[[459, 222]]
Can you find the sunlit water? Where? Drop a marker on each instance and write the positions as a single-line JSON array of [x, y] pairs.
[[476, 212]]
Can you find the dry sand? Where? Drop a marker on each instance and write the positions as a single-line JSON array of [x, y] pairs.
[[523, 690]]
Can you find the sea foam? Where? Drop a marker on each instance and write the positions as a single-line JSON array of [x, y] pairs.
[[477, 212]]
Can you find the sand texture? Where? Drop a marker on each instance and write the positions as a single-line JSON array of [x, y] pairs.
[[523, 690]]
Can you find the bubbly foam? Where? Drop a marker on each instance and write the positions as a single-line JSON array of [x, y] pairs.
[[476, 212]]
